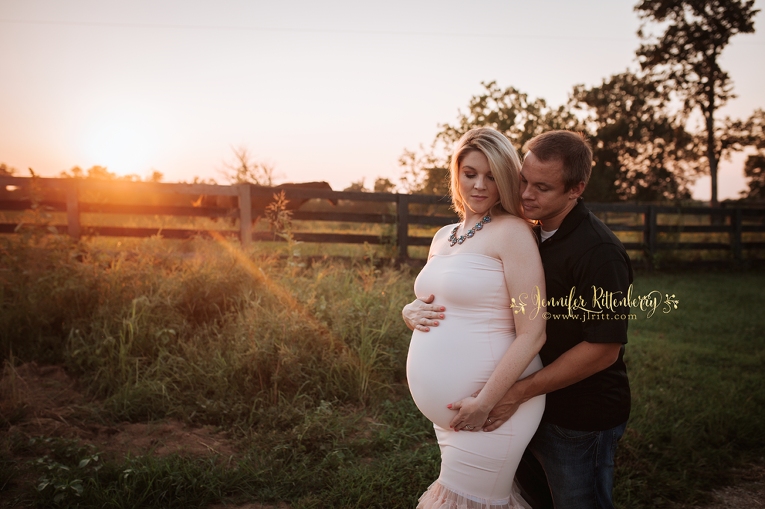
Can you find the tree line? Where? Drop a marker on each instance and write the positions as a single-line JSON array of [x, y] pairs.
[[637, 121]]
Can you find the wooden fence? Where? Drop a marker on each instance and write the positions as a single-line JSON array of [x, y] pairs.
[[64, 195]]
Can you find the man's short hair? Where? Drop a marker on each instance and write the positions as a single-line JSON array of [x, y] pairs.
[[571, 148]]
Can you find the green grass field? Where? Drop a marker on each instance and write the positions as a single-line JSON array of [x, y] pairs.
[[304, 366]]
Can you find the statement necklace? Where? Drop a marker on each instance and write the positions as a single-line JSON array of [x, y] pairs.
[[453, 239]]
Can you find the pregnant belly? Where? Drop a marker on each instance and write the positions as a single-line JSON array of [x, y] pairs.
[[443, 368]]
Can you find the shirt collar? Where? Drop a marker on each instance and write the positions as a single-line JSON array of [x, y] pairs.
[[572, 219]]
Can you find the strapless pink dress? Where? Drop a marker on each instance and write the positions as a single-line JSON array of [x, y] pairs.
[[454, 360]]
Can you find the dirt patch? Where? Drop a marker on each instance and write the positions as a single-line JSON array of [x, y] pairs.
[[45, 401], [747, 493], [281, 505]]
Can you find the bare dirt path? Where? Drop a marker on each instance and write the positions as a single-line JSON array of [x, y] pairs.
[[45, 401]]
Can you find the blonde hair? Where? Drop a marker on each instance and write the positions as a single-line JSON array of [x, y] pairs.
[[505, 167]]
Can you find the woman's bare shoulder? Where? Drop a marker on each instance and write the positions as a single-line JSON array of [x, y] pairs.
[[445, 230], [440, 239], [514, 233], [511, 223]]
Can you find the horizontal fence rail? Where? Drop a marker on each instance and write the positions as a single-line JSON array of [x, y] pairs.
[[245, 202]]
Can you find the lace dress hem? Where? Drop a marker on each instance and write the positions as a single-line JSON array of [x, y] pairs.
[[439, 496]]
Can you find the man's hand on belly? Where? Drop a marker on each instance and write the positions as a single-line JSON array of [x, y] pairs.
[[501, 412], [470, 416]]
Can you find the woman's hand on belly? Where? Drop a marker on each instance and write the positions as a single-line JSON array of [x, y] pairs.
[[470, 416], [421, 314]]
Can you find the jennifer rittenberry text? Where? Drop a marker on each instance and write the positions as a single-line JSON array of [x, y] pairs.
[[602, 301]]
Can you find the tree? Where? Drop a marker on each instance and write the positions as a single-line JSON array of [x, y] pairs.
[[424, 171], [754, 168], [93, 173], [686, 56], [102, 173], [155, 176], [6, 171], [730, 136], [640, 148], [243, 169], [509, 111], [383, 185], [357, 187]]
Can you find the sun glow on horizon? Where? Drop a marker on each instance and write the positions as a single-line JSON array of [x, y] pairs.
[[121, 144]]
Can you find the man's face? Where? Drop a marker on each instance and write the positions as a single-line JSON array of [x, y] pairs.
[[543, 194]]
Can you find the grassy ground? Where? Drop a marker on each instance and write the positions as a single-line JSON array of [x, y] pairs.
[[698, 379], [305, 368]]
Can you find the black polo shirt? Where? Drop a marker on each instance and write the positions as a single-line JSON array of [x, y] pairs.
[[587, 274]]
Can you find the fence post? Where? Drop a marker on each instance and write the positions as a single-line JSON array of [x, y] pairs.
[[73, 209], [737, 229], [649, 234], [245, 215], [402, 211]]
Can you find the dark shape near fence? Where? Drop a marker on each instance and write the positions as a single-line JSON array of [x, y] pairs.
[[64, 195]]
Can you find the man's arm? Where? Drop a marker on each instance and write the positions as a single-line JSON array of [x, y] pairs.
[[605, 266], [584, 360]]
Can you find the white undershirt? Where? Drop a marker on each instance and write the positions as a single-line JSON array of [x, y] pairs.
[[546, 235]]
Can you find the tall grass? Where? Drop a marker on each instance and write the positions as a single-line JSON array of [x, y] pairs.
[[305, 366], [207, 332]]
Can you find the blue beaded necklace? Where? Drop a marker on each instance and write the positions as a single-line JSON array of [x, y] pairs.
[[453, 239]]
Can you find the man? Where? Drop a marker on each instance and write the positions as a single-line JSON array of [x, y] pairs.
[[587, 273]]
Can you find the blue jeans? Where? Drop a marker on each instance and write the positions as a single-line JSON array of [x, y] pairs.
[[569, 469]]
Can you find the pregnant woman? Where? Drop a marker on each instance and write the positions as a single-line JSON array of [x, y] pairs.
[[484, 271]]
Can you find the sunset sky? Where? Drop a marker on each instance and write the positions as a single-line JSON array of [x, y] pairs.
[[322, 90]]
